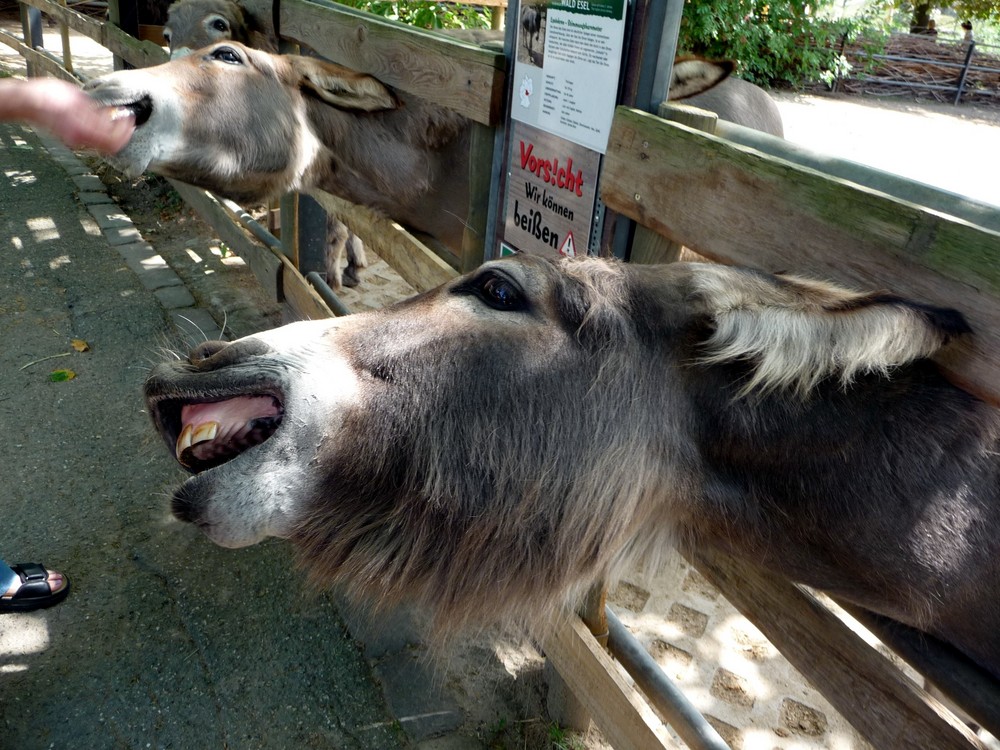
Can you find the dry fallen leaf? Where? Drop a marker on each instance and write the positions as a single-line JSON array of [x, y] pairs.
[[80, 345]]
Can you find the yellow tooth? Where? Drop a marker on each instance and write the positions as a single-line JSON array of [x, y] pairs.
[[205, 431], [183, 441]]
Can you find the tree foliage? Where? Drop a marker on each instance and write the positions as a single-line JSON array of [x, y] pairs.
[[425, 14], [973, 10], [774, 41]]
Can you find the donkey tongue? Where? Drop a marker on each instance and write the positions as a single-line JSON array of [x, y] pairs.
[[240, 410], [221, 422]]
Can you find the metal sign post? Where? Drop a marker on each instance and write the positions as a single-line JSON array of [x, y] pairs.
[[571, 63], [567, 57]]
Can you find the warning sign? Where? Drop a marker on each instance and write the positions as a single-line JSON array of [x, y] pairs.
[[568, 246], [551, 192], [566, 66]]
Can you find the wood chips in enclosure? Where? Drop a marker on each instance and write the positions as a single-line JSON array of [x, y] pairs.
[[923, 66]]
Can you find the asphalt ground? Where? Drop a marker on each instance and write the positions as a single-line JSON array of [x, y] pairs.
[[165, 641]]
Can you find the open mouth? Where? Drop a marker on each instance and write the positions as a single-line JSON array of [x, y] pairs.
[[206, 434], [141, 109]]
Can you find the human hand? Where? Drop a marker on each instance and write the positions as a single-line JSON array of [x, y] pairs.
[[63, 109]]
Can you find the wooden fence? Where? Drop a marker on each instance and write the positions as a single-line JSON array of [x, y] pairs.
[[782, 208], [918, 64], [865, 229]]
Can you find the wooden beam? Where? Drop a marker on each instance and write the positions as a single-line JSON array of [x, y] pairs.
[[623, 715], [419, 266], [454, 74], [474, 240], [265, 264], [139, 54], [40, 59], [276, 273], [77, 21], [300, 296], [866, 688], [735, 204]]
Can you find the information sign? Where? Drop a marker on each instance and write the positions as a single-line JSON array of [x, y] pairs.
[[566, 69]]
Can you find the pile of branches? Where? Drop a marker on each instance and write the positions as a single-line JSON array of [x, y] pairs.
[[917, 62]]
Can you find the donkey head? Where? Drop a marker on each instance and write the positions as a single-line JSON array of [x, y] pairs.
[[497, 444], [229, 114], [193, 24]]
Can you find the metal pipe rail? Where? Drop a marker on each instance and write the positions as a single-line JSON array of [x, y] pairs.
[[965, 67], [663, 695]]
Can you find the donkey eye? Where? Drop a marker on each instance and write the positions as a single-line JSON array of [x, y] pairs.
[[219, 25], [500, 293], [226, 55]]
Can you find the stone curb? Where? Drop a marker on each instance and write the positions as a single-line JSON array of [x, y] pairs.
[[192, 322]]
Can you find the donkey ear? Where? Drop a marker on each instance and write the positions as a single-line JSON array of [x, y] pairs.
[[799, 331], [694, 75], [343, 87]]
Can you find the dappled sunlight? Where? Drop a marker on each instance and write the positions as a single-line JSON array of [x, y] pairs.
[[89, 225], [724, 665], [17, 177], [219, 255], [21, 636], [517, 656], [747, 663], [43, 228]]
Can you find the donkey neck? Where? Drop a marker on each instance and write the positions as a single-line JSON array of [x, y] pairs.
[[411, 164], [790, 480]]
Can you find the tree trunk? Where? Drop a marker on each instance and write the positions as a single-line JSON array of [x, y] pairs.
[[921, 17]]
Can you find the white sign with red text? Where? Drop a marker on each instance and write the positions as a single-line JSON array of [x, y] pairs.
[[551, 193]]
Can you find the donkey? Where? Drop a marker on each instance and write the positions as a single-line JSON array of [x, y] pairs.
[[304, 124], [193, 24], [489, 449], [531, 24]]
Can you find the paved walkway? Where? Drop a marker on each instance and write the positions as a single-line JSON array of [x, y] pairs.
[[166, 641]]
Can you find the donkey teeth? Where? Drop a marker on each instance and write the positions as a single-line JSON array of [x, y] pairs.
[[193, 435]]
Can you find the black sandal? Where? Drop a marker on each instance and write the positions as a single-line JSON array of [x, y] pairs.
[[34, 592]]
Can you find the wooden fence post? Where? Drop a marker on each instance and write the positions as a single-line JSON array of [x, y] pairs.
[[648, 246], [563, 705]]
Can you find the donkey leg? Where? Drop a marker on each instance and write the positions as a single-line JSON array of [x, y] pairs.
[[336, 243], [356, 260]]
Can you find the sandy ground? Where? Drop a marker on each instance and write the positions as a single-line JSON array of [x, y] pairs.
[[754, 698], [949, 147]]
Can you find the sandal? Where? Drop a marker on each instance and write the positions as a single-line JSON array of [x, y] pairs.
[[34, 592]]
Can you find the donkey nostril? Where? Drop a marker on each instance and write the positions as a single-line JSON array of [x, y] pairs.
[[205, 350], [184, 507]]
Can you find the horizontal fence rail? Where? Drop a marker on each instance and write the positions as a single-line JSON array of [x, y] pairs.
[[455, 74], [917, 62], [777, 215]]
